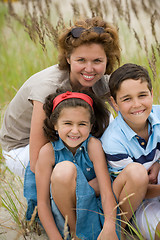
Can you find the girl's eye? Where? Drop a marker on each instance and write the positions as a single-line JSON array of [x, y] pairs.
[[85, 124], [82, 124], [67, 123]]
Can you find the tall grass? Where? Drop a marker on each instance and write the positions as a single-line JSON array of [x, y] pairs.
[[28, 44]]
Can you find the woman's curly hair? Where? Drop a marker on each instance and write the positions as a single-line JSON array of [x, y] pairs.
[[99, 116], [109, 39]]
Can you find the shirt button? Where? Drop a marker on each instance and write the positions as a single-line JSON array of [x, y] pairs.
[[143, 143], [74, 161], [80, 148], [137, 137]]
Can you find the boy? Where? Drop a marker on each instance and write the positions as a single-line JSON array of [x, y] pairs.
[[134, 136]]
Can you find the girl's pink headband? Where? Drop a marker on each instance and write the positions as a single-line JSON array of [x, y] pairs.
[[68, 95]]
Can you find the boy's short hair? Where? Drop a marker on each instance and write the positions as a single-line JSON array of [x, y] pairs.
[[128, 71]]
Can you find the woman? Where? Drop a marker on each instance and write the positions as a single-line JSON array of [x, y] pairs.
[[87, 51]]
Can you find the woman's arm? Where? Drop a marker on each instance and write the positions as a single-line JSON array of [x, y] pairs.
[[97, 156], [44, 168], [37, 137]]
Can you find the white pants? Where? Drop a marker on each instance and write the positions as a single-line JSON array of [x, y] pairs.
[[17, 160], [148, 216]]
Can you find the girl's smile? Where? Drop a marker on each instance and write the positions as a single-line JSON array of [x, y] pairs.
[[73, 126]]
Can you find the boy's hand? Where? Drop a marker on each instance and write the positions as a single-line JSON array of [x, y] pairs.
[[153, 173]]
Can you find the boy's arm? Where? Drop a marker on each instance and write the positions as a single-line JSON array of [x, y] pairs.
[[44, 168], [97, 156], [114, 146], [153, 191]]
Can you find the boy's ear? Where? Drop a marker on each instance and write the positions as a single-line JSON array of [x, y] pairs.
[[152, 92], [114, 104]]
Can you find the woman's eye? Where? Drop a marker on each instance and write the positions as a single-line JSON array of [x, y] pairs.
[[81, 60], [97, 61]]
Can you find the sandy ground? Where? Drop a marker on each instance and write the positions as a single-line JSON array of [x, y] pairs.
[[12, 193]]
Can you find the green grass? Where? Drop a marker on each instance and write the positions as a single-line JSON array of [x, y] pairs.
[[20, 57]]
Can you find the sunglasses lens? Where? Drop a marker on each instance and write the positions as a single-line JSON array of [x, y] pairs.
[[76, 32], [98, 29]]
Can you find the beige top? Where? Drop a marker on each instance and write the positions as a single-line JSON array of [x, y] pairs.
[[16, 125]]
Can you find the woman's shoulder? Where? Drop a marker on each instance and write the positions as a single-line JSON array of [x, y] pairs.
[[101, 87], [52, 71]]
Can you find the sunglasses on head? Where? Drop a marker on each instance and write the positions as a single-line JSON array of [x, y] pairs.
[[76, 32]]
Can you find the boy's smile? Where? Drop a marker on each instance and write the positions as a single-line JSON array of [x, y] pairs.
[[134, 101]]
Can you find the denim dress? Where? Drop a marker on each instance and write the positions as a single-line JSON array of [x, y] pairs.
[[89, 212]]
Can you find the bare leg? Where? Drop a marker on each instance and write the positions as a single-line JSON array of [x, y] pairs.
[[133, 179], [157, 236], [63, 185]]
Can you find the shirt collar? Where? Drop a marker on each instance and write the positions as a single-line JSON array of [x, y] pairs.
[[128, 132], [153, 120]]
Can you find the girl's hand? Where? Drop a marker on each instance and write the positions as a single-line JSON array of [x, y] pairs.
[[107, 235]]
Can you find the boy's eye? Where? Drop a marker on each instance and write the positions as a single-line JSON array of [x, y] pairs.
[[143, 95], [126, 99]]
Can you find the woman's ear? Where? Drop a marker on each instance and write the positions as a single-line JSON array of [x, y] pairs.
[[68, 60], [115, 105]]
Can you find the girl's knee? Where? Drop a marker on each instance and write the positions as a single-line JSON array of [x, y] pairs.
[[64, 172]]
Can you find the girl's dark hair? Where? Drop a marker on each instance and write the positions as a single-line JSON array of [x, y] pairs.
[[109, 40], [99, 117]]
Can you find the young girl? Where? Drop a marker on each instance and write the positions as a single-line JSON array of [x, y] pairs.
[[71, 119]]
